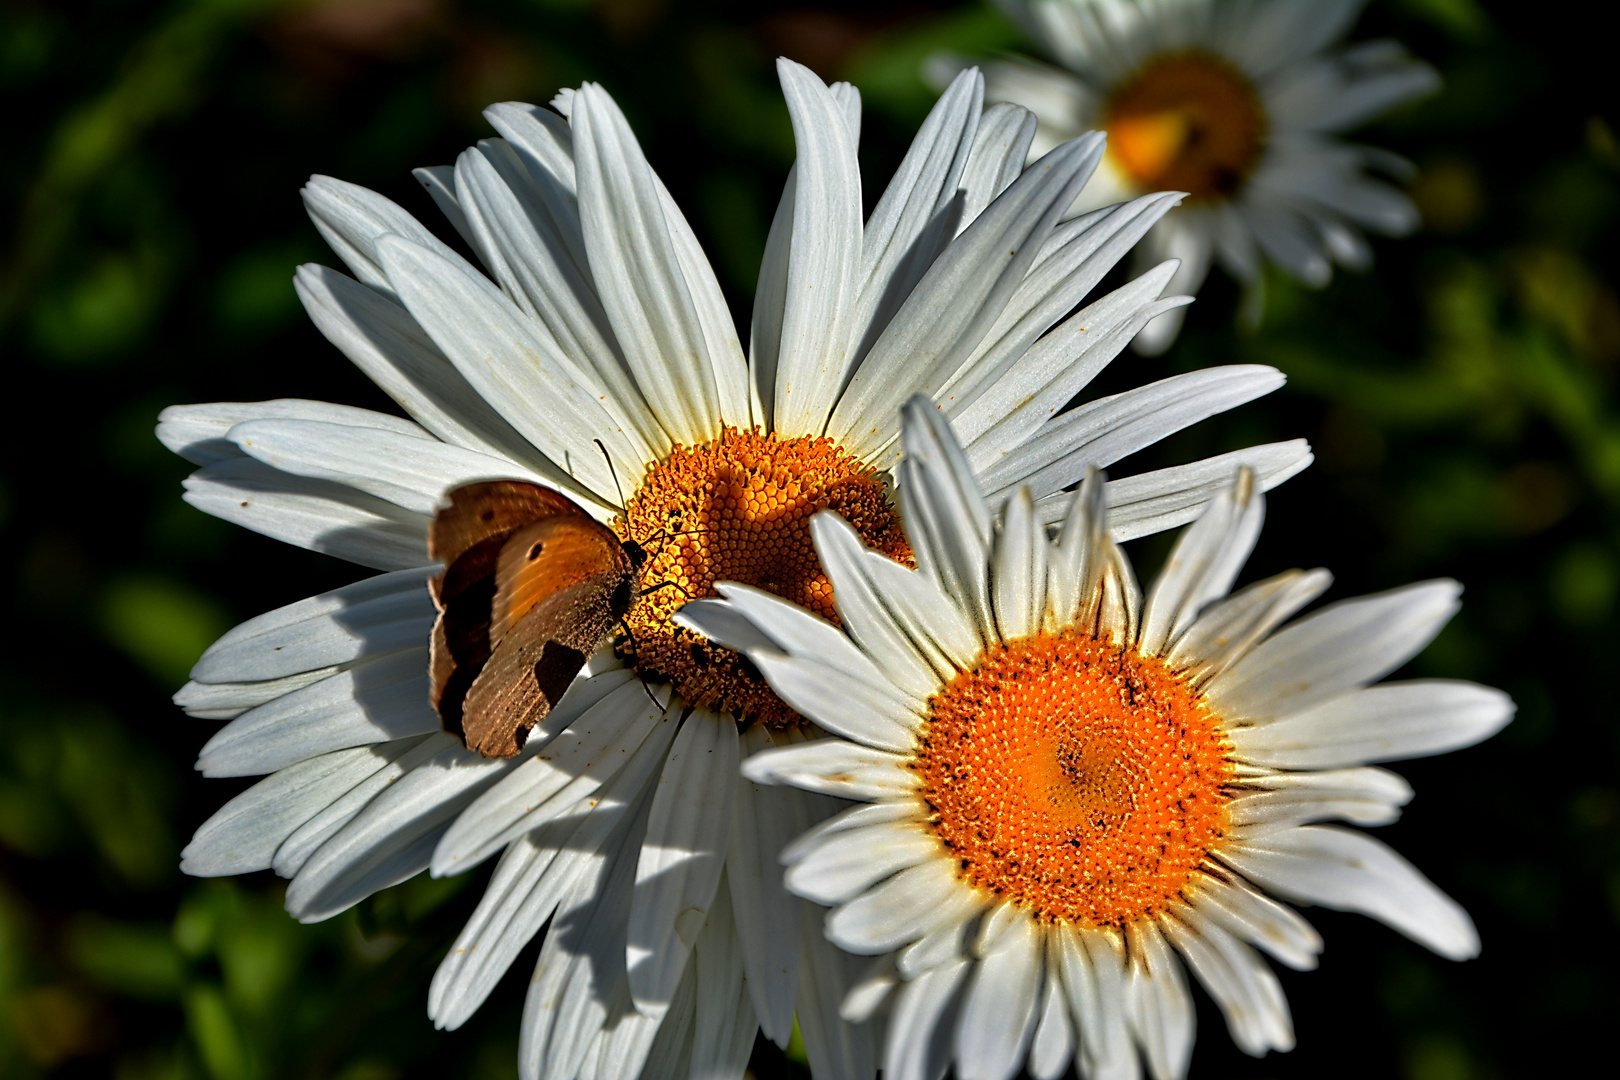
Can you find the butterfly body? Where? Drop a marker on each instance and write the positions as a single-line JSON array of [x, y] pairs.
[[532, 586]]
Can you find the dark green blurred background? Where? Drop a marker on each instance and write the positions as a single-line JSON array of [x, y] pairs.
[[1461, 398]]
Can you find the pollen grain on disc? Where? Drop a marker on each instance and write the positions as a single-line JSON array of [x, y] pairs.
[[1188, 122], [738, 509], [1078, 778]]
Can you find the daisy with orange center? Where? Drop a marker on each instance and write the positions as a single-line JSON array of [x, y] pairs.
[[1237, 104], [593, 352], [1075, 793]]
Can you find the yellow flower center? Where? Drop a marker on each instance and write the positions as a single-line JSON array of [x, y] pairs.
[[1078, 778], [1186, 122], [738, 509]]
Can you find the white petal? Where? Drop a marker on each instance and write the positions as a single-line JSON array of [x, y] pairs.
[[898, 911], [1000, 148], [912, 601], [870, 990], [723, 1025], [393, 837], [1018, 575], [1150, 502], [824, 257], [439, 181], [1349, 871], [1364, 796], [922, 1025], [408, 472], [511, 362], [1101, 432], [1157, 1003], [1342, 647], [596, 729], [242, 836], [1381, 723], [919, 212], [1092, 964], [1226, 631], [352, 219], [1257, 919], [896, 640], [766, 820], [1204, 563], [852, 819], [959, 299], [1002, 1006], [1237, 978], [836, 1049], [374, 617], [638, 273], [314, 514], [682, 857], [228, 700], [854, 860], [947, 518], [197, 432], [375, 702], [1053, 1045], [835, 767], [394, 352]]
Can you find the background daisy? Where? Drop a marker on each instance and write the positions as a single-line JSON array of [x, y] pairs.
[[1075, 790], [1240, 106]]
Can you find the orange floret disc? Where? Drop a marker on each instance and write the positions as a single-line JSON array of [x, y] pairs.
[[1080, 779], [1186, 122], [738, 509]]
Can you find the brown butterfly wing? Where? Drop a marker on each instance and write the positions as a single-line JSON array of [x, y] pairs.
[[523, 602]]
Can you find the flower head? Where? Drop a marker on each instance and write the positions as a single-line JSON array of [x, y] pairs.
[[1239, 106], [1073, 792], [594, 353]]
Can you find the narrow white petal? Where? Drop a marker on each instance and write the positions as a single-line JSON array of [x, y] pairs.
[[352, 219], [197, 432], [1350, 871], [228, 700], [836, 1049], [1363, 796], [1157, 1003], [682, 857], [1236, 977], [315, 514], [766, 820], [376, 702], [921, 1028], [1256, 918], [1092, 966], [1154, 501], [1000, 148], [242, 836], [870, 991], [835, 767], [857, 859], [1340, 648], [1053, 1045], [596, 730], [723, 1025], [638, 273], [1203, 564], [393, 351], [1002, 1006], [898, 911], [392, 838], [824, 256], [439, 181], [1227, 630], [1018, 574], [1381, 723]]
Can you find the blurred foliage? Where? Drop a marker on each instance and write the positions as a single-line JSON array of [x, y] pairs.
[[1461, 398]]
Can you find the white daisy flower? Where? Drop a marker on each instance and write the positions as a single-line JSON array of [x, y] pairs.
[[1068, 787], [1238, 104], [595, 350]]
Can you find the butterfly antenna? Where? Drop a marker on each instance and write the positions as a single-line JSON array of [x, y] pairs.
[[624, 624], [613, 473]]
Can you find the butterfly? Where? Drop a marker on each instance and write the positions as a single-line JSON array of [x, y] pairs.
[[532, 586]]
